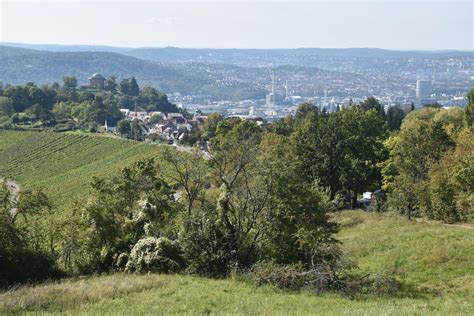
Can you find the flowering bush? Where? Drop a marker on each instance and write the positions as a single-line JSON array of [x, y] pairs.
[[152, 254]]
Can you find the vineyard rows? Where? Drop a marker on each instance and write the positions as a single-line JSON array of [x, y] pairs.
[[64, 164]]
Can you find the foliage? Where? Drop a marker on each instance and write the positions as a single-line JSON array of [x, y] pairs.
[[451, 182], [342, 150], [123, 210], [123, 127], [82, 107], [469, 110], [372, 103], [382, 244], [395, 116], [152, 254], [22, 257], [427, 161], [48, 67]]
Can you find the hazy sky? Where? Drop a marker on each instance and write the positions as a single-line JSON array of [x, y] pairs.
[[242, 24]]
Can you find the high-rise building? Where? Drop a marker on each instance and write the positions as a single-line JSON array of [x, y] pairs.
[[423, 89]]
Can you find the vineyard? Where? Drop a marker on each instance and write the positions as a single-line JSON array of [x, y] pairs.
[[64, 164]]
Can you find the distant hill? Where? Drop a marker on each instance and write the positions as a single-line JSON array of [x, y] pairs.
[[19, 65], [250, 57], [298, 56]]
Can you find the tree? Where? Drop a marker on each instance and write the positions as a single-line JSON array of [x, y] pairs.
[[6, 106], [125, 86], [282, 126], [298, 211], [304, 109], [136, 130], [421, 141], [318, 148], [263, 209], [341, 150], [152, 100], [19, 96], [69, 83], [22, 242], [134, 90], [372, 103], [111, 84], [362, 139], [36, 112], [189, 172], [451, 181], [395, 116], [135, 204], [123, 127], [435, 105], [469, 111], [210, 125]]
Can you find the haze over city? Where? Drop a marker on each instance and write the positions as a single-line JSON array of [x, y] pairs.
[[405, 25]]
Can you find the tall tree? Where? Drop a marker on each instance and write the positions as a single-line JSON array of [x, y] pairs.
[[134, 90], [395, 115], [371, 103], [342, 150], [469, 111], [111, 84], [69, 83], [125, 86]]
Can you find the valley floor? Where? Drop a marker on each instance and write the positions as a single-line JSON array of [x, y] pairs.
[[436, 259]]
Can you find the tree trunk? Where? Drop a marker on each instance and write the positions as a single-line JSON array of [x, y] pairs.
[[354, 201]]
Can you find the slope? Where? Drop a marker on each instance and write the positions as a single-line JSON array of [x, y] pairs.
[[436, 257], [19, 66], [64, 164]]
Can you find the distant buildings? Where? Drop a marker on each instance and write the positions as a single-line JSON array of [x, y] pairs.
[[423, 89], [96, 81]]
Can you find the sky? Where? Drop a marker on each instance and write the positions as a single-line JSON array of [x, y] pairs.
[[404, 25]]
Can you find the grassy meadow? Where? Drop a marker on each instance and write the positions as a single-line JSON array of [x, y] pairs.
[[436, 259]]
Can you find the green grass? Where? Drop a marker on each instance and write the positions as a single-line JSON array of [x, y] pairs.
[[63, 164], [438, 260], [433, 256]]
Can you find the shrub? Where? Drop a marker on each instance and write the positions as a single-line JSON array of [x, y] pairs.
[[206, 246], [387, 282], [24, 265], [207, 256], [293, 277], [152, 254]]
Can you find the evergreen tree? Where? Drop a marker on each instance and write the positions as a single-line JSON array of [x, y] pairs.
[[469, 111], [395, 116], [134, 90]]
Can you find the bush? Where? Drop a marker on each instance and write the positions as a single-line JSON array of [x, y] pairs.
[[322, 278], [319, 278], [388, 282], [206, 246], [25, 265], [155, 255]]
